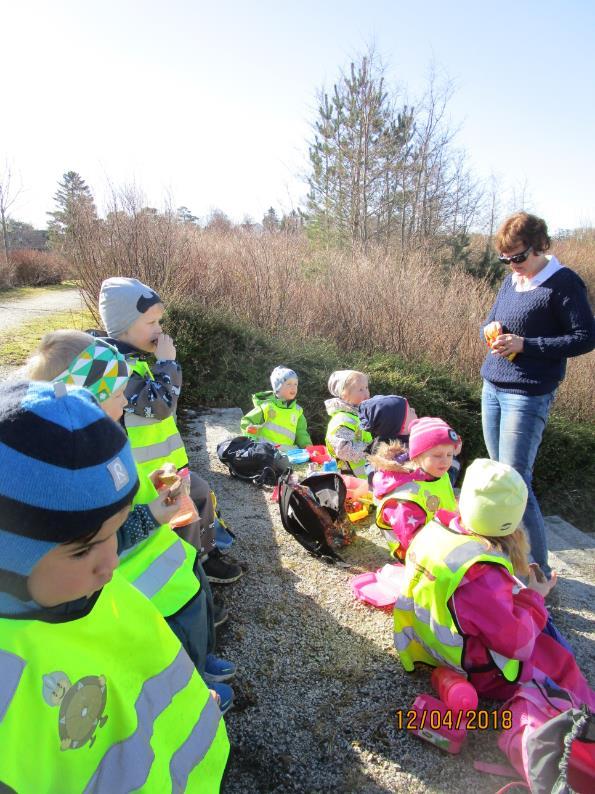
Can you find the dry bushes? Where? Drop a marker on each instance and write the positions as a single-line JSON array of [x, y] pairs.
[[375, 302], [31, 268]]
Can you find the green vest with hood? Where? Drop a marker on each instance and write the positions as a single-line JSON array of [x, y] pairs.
[[107, 702], [424, 628], [280, 419]]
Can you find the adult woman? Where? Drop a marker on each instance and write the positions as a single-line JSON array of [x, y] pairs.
[[540, 317]]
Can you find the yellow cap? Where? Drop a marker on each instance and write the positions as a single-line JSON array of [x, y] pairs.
[[493, 498]]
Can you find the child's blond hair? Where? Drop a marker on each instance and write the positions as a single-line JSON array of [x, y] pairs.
[[56, 351], [515, 546], [353, 376]]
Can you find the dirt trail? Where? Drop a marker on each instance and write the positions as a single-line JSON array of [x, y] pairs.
[[17, 311]]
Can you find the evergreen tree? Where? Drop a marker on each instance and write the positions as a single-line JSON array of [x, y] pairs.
[[270, 221], [74, 203], [358, 148], [184, 215]]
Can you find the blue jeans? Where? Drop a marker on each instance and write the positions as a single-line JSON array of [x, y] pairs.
[[513, 426]]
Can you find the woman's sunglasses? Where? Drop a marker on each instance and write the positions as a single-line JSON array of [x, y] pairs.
[[517, 259]]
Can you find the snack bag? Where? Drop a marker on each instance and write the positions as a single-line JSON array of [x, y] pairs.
[[491, 336]]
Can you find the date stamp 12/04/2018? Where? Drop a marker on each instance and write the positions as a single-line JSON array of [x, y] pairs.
[[471, 719]]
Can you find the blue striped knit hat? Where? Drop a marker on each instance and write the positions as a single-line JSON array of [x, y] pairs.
[[65, 468]]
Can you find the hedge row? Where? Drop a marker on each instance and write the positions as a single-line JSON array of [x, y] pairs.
[[225, 362]]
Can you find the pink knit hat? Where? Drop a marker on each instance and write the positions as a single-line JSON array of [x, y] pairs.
[[429, 432]]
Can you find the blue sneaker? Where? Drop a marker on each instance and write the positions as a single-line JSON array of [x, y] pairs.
[[223, 538], [225, 693], [217, 670]]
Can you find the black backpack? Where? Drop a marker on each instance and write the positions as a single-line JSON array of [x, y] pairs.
[[313, 511], [252, 460]]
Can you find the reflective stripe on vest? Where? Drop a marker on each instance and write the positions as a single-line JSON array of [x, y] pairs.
[[110, 703], [430, 496], [162, 568], [351, 421], [424, 628], [153, 442], [280, 423]]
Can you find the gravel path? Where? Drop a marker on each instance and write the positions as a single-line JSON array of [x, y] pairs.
[[319, 682], [15, 312]]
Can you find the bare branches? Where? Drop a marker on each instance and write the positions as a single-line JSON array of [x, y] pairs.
[[9, 193]]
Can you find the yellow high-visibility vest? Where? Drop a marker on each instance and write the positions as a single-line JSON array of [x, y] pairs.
[[108, 702]]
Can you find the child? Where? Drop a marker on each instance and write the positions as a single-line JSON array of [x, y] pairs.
[[92, 677], [462, 606], [386, 417], [131, 313], [152, 557], [389, 418], [276, 417], [408, 494], [345, 439]]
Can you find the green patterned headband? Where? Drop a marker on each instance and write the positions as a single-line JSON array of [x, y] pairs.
[[100, 368]]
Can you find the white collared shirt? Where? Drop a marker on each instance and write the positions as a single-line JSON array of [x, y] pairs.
[[527, 284]]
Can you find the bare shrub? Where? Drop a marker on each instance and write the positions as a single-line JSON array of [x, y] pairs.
[[31, 268]]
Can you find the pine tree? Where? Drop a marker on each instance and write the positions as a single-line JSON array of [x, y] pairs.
[[74, 203], [358, 148], [270, 221]]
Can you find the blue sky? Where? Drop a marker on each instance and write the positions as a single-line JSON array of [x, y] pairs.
[[210, 104]]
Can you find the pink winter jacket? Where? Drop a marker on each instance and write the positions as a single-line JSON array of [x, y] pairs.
[[405, 518], [510, 621]]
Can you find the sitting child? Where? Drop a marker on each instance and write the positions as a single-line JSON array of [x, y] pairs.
[[147, 546], [388, 418], [276, 417], [131, 313], [408, 494], [346, 441], [92, 677], [464, 566]]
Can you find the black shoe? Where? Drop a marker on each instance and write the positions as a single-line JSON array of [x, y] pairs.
[[220, 615], [219, 571]]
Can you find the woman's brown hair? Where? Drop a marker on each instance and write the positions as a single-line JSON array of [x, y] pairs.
[[522, 229]]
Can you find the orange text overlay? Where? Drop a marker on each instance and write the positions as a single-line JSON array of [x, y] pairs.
[[472, 720]]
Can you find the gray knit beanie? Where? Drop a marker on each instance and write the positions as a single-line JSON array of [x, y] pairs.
[[278, 377], [122, 301]]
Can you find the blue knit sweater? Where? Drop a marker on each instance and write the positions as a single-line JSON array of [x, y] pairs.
[[556, 322]]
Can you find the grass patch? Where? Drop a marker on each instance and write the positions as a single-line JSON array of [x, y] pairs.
[[225, 362], [18, 293], [18, 344]]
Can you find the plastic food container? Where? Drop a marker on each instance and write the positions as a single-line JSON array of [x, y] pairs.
[[318, 453], [297, 455], [356, 487], [431, 718], [380, 588]]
